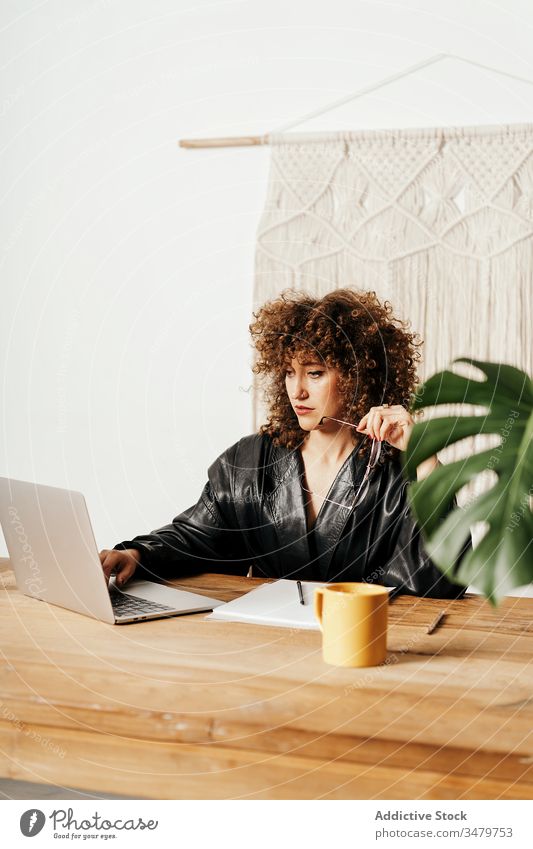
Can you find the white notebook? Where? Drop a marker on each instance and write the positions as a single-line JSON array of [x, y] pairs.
[[273, 604]]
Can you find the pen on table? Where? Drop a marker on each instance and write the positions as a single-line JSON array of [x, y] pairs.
[[300, 593], [431, 627]]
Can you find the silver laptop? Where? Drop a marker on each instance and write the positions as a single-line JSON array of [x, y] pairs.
[[54, 556]]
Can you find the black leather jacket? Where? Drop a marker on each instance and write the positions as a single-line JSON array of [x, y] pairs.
[[252, 513]]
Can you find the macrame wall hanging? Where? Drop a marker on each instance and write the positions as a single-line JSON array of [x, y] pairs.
[[437, 221]]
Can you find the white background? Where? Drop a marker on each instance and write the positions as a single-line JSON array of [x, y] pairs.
[[127, 262], [233, 823]]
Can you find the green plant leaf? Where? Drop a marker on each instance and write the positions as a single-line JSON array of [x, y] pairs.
[[503, 558]]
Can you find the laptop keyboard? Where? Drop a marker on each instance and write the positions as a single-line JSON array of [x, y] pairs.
[[129, 605]]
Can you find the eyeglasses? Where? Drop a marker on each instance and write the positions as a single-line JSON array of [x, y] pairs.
[[363, 487]]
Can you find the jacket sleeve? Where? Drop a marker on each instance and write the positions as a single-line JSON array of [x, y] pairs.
[[409, 564], [204, 538]]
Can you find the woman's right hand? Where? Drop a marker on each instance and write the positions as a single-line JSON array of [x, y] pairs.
[[121, 561]]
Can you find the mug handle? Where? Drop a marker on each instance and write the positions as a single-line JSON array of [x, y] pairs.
[[318, 604]]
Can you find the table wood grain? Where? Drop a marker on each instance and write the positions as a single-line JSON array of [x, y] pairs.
[[188, 708]]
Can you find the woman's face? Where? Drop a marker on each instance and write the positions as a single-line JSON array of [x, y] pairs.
[[313, 393]]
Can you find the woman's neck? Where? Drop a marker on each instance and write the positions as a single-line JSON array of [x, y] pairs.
[[329, 448]]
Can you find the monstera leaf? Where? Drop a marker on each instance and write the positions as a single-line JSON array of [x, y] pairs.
[[503, 558]]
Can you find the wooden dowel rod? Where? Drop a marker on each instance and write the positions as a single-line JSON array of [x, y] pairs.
[[235, 141]]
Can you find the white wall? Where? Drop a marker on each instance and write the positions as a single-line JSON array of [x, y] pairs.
[[127, 262]]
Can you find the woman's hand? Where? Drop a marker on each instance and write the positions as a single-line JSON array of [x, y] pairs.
[[393, 424], [123, 562]]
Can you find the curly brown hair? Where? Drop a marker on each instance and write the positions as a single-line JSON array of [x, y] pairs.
[[352, 331]]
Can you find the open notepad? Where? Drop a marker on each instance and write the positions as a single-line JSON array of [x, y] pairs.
[[273, 604]]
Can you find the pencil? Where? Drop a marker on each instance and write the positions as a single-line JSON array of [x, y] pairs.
[[300, 593], [431, 627]]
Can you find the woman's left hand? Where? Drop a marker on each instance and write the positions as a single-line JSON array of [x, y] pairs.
[[394, 424]]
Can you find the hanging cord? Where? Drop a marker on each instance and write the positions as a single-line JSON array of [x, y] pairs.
[[249, 141], [400, 75]]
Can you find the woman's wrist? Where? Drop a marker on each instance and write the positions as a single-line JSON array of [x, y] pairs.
[[428, 466]]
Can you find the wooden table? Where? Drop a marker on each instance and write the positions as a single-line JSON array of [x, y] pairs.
[[189, 708]]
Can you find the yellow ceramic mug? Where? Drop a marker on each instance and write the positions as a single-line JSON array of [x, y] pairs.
[[353, 620]]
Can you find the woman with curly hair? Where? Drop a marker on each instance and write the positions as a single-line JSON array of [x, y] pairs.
[[319, 492]]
